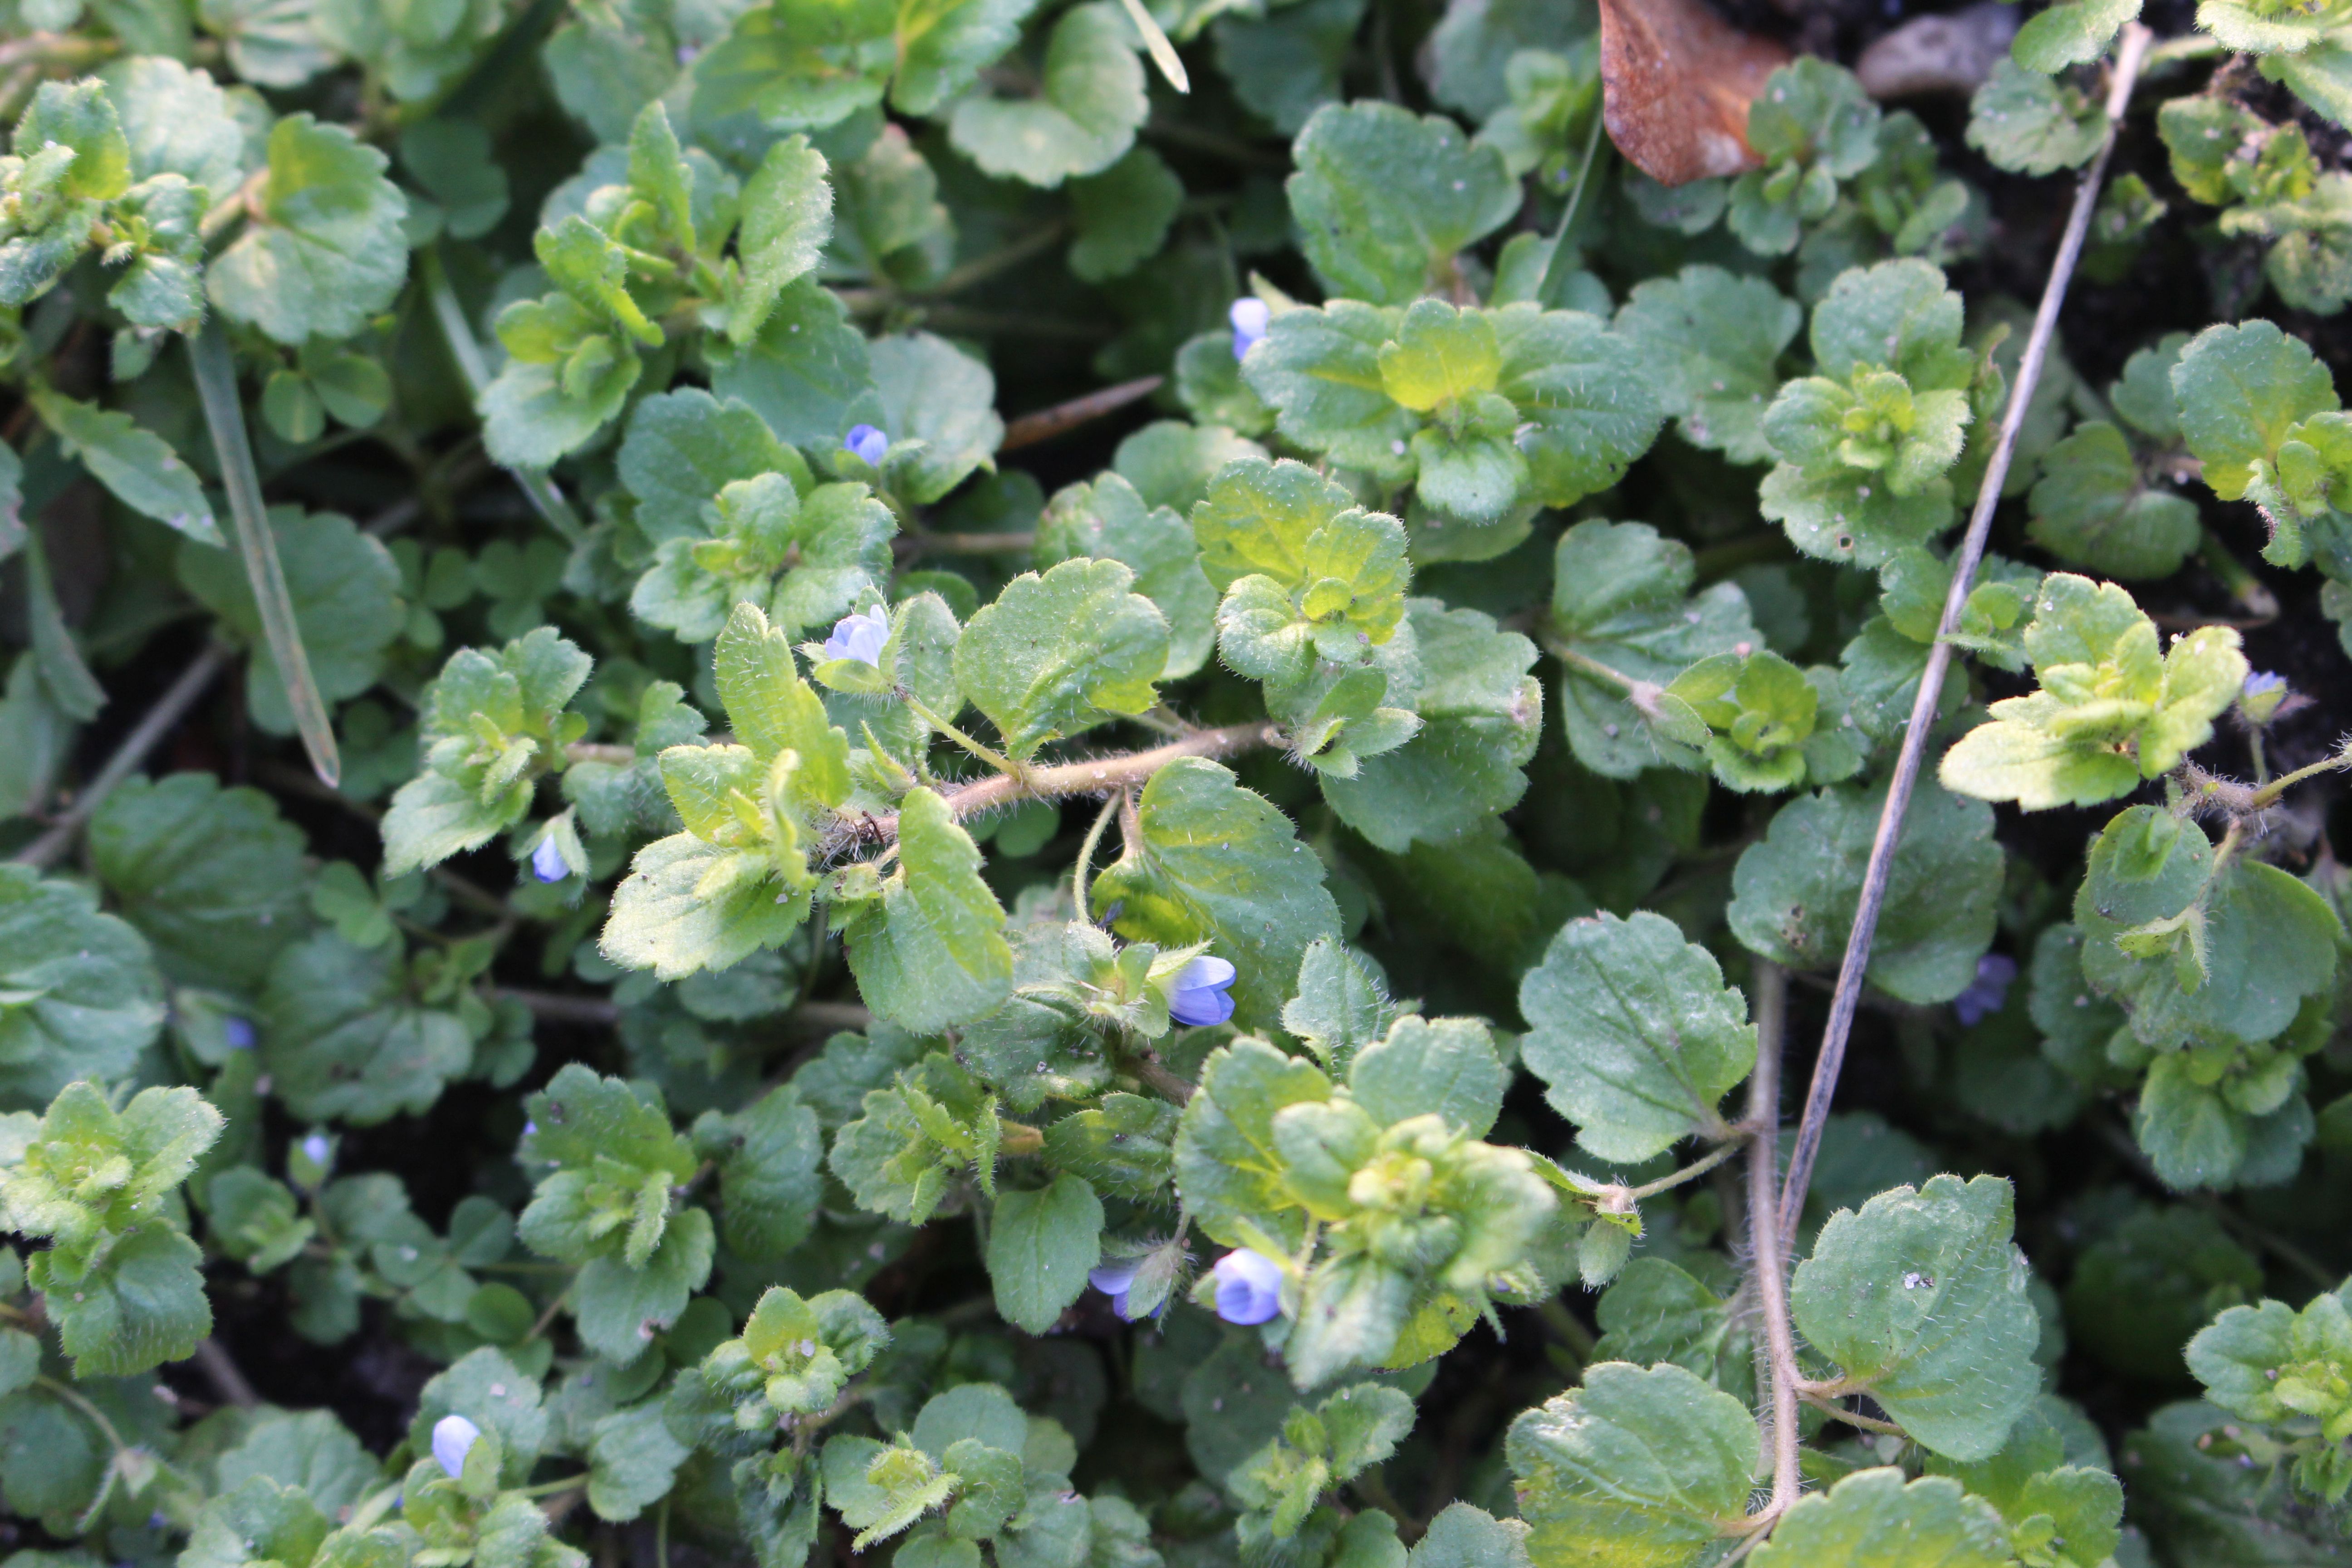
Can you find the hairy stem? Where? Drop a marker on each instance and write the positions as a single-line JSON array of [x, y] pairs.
[[994, 759], [1046, 423], [1096, 776], [160, 721], [2268, 793], [1769, 1257], [1848, 996], [1087, 848], [216, 375]]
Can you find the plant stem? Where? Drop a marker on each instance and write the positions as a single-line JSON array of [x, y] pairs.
[[2268, 793], [73, 1396], [593, 1011], [1086, 853], [229, 1379], [216, 390], [1095, 776], [160, 721], [1032, 428], [1769, 1254], [538, 489], [1690, 1173], [1850, 972], [996, 760], [1556, 270], [1836, 1412], [913, 545]]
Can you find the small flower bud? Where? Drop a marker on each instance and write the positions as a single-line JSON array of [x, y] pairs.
[[1199, 995], [1249, 316], [1249, 1287], [453, 1440], [859, 637], [867, 444], [547, 862]]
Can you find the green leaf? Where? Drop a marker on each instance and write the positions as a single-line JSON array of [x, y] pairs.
[[314, 1453], [2072, 33], [618, 1310], [1920, 1300], [1586, 391], [144, 1305], [807, 559], [486, 1389], [491, 724], [684, 447], [1622, 598], [1285, 66], [1228, 1166], [1813, 126], [935, 1123], [175, 120], [1122, 216], [323, 251], [2111, 710], [1341, 1006], [2248, 396], [930, 949], [1109, 520], [1638, 1468], [802, 373], [1481, 716], [787, 219], [1218, 864], [344, 586], [84, 996], [934, 394], [1713, 341], [2029, 125], [1446, 1066], [1635, 1034], [345, 1038], [770, 1178], [1873, 1518], [1384, 199], [1060, 653], [632, 1462], [2096, 508], [1040, 1245], [259, 1521], [139, 465], [1089, 104], [2063, 1513], [1793, 894], [1320, 370], [213, 878], [1306, 572]]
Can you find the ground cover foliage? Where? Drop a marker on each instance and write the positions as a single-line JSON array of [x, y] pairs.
[[969, 783]]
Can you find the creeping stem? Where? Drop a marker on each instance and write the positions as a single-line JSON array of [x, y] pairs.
[[2131, 50], [1769, 1255]]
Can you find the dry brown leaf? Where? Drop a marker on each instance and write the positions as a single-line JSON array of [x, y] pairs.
[[1676, 80]]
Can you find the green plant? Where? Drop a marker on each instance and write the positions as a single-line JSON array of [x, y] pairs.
[[845, 1005]]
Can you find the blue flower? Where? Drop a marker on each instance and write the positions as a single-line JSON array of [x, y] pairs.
[[1249, 316], [317, 1150], [453, 1440], [1114, 1281], [547, 862], [1989, 992], [867, 444], [860, 637], [1199, 995], [239, 1033], [1249, 1287], [2262, 683]]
